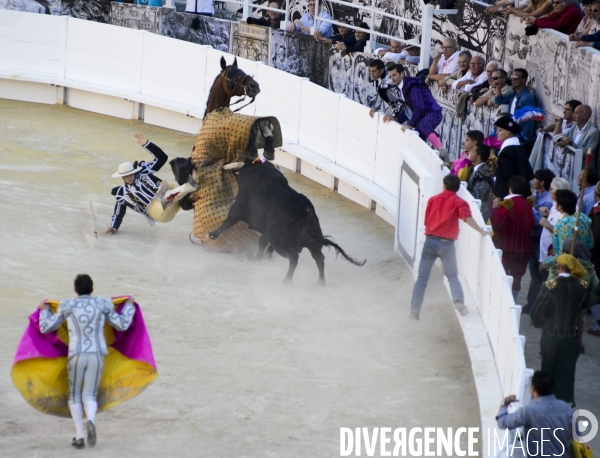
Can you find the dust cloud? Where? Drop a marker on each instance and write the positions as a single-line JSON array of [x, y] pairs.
[[247, 366]]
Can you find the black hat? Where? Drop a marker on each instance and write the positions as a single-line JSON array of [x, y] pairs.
[[508, 123]]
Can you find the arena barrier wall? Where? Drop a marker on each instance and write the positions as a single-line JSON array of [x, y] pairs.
[[50, 59]]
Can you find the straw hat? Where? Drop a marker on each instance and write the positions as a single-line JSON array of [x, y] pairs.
[[126, 168]]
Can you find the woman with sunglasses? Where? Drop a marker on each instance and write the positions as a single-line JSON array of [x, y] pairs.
[[586, 21], [592, 36]]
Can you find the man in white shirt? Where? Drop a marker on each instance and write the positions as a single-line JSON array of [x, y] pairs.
[[444, 63], [474, 77], [410, 54], [393, 53]]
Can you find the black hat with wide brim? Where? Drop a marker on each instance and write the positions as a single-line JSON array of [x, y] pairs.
[[508, 123]]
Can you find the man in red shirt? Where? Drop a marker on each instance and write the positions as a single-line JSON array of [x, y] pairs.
[[441, 230], [512, 220]]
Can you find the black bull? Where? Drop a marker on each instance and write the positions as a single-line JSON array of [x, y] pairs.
[[285, 218]]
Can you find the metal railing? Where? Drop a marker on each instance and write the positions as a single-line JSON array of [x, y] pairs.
[[426, 23]]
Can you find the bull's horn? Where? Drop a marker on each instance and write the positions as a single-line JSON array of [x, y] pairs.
[[233, 166]]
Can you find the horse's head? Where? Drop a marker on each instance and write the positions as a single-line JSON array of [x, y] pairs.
[[232, 81], [235, 82]]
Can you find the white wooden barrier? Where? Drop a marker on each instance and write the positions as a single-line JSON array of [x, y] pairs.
[[119, 71]]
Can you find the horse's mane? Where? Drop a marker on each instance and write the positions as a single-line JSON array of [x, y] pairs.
[[211, 95]]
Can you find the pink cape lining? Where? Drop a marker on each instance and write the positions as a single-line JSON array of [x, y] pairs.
[[133, 343]]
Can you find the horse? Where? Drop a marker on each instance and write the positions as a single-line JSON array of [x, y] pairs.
[[225, 137], [232, 81]]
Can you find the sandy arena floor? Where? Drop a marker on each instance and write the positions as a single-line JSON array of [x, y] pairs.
[[247, 367]]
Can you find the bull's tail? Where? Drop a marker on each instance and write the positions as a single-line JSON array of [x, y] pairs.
[[325, 241]]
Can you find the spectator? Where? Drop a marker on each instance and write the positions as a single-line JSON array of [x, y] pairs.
[[544, 412], [566, 204], [548, 221], [587, 21], [500, 80], [595, 255], [345, 35], [474, 77], [536, 8], [498, 6], [395, 50], [588, 193], [200, 7], [444, 63], [441, 230], [379, 79], [545, 144], [512, 221], [308, 20], [512, 157], [520, 98], [590, 36], [479, 90], [464, 58], [410, 54], [562, 124], [557, 311], [565, 18], [542, 203], [360, 37], [272, 20], [480, 180], [590, 40], [411, 101], [582, 134]]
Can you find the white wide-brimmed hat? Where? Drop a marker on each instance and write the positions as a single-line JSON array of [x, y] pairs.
[[126, 168], [414, 43]]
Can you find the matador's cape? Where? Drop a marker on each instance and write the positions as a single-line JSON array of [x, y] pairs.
[[39, 369], [223, 139]]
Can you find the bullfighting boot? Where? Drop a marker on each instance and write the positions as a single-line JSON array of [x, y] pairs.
[[175, 195], [162, 189]]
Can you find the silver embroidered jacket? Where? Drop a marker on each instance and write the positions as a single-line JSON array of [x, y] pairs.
[[85, 317]]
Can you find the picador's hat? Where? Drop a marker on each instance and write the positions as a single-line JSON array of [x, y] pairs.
[[126, 168]]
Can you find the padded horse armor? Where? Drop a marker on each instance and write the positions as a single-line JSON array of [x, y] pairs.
[[224, 138]]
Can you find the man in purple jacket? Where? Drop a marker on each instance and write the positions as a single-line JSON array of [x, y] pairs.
[[411, 101]]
